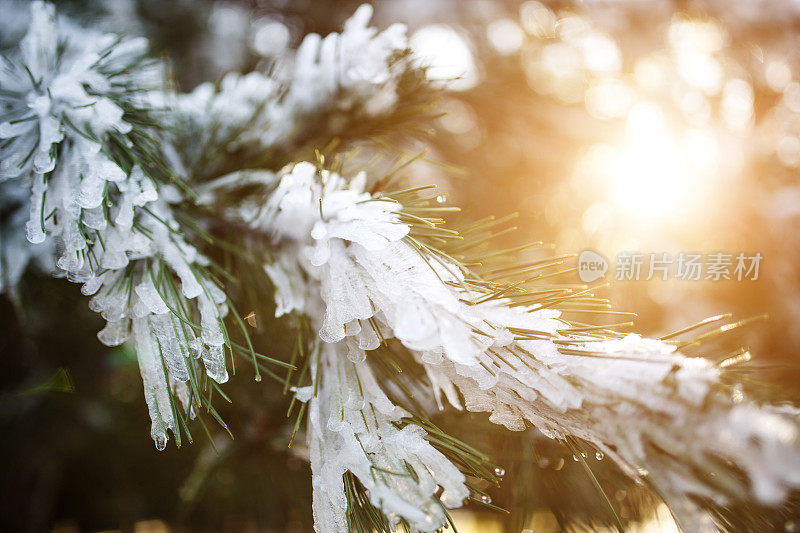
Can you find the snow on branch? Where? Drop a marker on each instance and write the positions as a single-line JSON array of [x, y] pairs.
[[330, 86], [97, 164], [661, 416], [79, 152]]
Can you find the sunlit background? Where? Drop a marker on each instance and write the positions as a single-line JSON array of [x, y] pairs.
[[654, 126]]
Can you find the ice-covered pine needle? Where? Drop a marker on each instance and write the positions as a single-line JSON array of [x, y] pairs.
[[362, 275]]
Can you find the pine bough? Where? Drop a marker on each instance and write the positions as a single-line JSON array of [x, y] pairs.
[[102, 169]]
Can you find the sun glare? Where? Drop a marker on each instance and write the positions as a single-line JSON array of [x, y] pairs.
[[673, 112], [654, 169], [446, 54], [650, 176]]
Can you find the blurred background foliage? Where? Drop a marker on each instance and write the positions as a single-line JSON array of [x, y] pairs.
[[613, 125]]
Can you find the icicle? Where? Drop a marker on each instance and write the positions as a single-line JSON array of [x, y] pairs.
[[167, 331], [115, 333], [156, 391], [35, 227]]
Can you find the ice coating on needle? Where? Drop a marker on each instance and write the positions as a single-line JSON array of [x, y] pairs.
[[346, 74], [97, 218], [353, 427], [74, 99], [633, 398]]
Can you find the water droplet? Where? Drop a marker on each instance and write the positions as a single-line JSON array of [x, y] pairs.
[[486, 499], [161, 442], [575, 458], [442, 198], [790, 526], [560, 464], [642, 472], [499, 472], [258, 377], [599, 456]]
